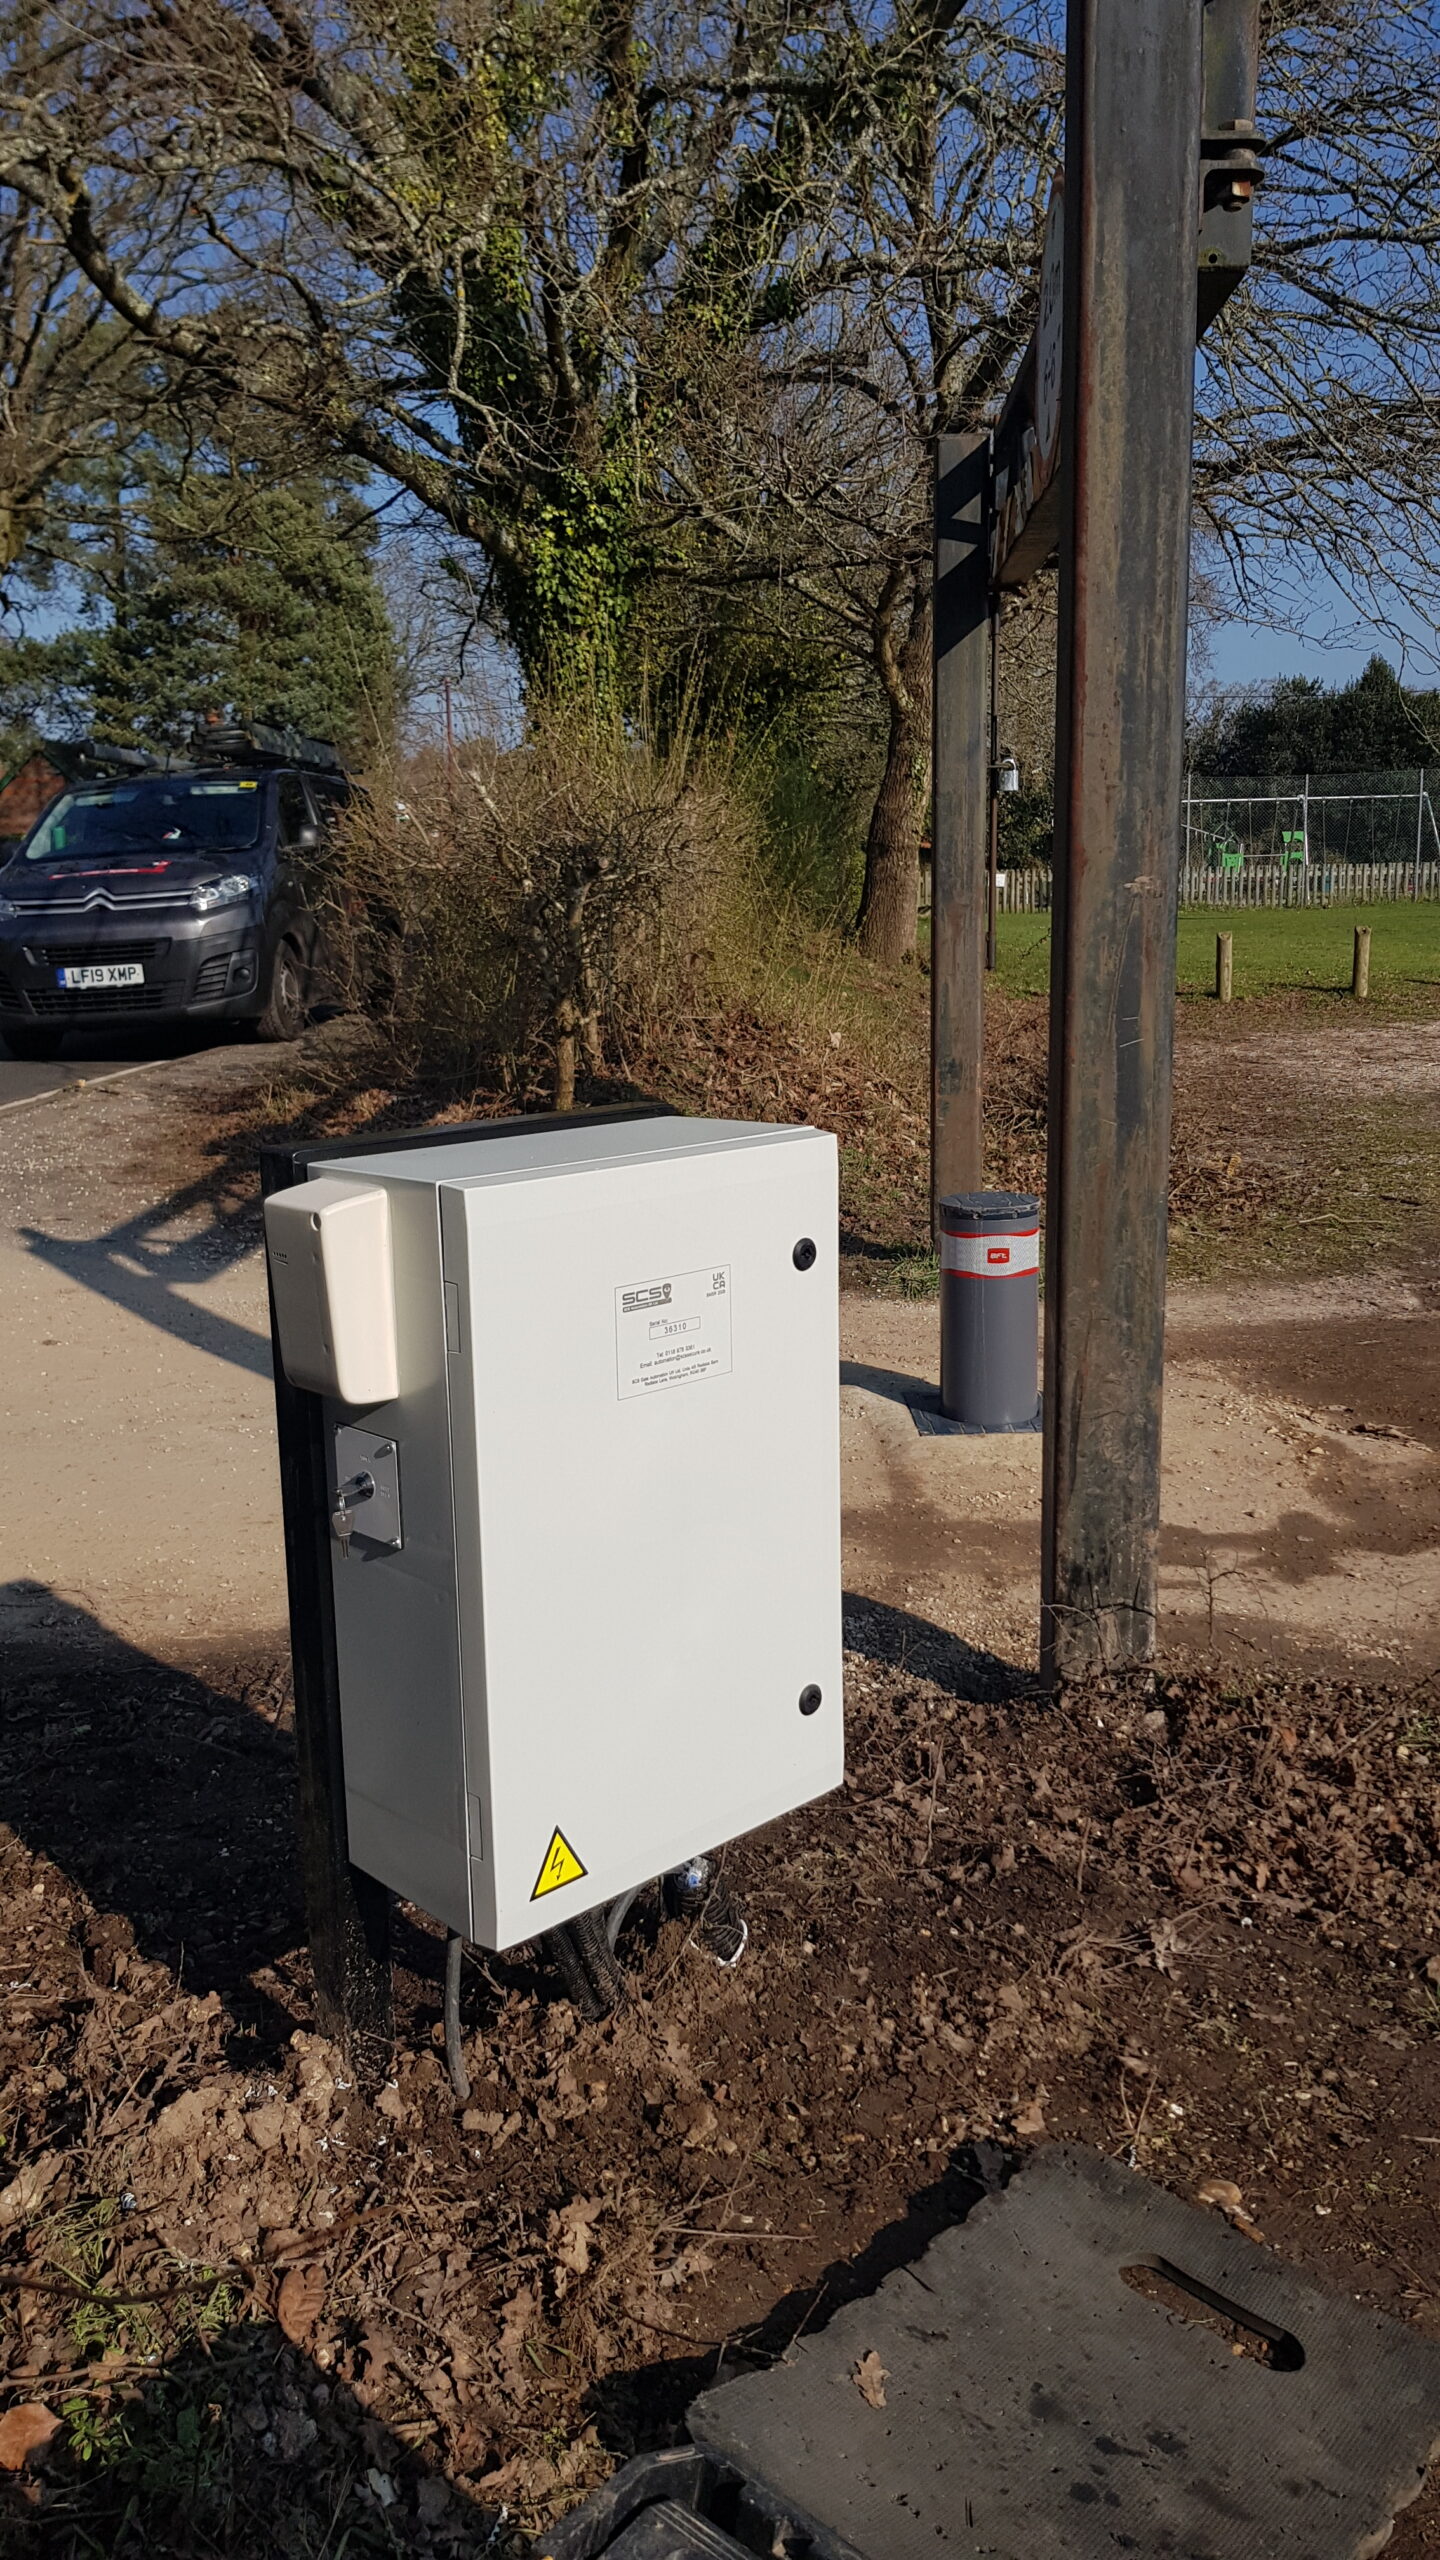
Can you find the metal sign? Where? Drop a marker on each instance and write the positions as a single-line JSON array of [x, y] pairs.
[[1025, 511], [1049, 330]]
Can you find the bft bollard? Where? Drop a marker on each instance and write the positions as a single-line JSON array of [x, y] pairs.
[[990, 1310]]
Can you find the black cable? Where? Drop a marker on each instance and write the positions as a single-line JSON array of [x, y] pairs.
[[454, 2049]]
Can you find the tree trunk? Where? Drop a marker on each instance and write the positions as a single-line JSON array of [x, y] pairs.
[[565, 1055], [890, 900]]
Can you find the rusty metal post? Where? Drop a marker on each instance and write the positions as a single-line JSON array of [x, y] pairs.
[[960, 825], [992, 850], [1131, 191]]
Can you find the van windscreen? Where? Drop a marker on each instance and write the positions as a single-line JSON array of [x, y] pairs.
[[191, 813]]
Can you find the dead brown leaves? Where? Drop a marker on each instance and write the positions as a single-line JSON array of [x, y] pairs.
[[1298, 1798], [28, 2188], [301, 2302], [870, 2377], [1224, 2195], [572, 2238], [464, 2284], [24, 2430]]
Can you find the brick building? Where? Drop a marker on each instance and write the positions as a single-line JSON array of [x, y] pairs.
[[29, 789]]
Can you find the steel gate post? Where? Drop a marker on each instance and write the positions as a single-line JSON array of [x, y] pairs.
[[959, 831], [1133, 93]]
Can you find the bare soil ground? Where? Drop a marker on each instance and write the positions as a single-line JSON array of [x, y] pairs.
[[277, 2310], [1300, 1499], [254, 2303]]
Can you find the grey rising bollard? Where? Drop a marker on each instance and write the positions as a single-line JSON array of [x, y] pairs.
[[990, 1309]]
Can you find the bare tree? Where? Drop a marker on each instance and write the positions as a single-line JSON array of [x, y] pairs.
[[74, 392], [1318, 396], [1318, 399], [495, 257], [629, 292], [916, 302]]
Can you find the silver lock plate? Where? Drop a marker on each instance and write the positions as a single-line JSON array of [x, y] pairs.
[[375, 1523]]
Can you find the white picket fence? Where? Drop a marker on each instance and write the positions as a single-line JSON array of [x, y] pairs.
[[1259, 884]]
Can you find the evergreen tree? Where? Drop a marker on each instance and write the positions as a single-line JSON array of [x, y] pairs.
[[222, 588], [1297, 725]]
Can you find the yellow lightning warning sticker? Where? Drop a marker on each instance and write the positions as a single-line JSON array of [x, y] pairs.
[[561, 1866]]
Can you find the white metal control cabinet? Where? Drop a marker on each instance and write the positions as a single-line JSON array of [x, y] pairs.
[[609, 1638]]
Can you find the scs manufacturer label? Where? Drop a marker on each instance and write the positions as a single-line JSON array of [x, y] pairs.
[[671, 1333]]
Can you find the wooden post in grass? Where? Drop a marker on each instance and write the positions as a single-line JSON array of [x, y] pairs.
[[1360, 971], [1224, 966]]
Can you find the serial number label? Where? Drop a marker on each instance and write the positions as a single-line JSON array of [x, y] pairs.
[[670, 1332]]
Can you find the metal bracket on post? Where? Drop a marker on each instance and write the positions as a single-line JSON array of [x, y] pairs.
[[1230, 170]]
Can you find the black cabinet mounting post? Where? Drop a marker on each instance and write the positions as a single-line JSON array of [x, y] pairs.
[[347, 1914]]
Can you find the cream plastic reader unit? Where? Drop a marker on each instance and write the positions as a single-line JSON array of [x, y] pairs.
[[328, 1245], [610, 1640]]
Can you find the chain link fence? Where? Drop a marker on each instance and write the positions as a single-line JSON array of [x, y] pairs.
[[1277, 841]]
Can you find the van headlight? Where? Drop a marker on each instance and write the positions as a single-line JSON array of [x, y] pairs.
[[222, 893]]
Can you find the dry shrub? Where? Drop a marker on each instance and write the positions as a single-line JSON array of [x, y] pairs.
[[541, 914]]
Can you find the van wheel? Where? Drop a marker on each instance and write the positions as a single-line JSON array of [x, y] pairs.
[[284, 1014], [26, 1041]]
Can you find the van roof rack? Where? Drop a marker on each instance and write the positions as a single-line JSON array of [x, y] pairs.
[[93, 758], [264, 742]]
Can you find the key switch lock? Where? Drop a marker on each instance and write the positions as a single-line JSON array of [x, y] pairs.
[[366, 1502]]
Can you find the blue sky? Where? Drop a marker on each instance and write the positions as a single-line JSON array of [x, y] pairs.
[[1318, 633], [1248, 653]]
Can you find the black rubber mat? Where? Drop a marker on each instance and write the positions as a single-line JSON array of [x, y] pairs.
[[669, 2532], [1037, 2406]]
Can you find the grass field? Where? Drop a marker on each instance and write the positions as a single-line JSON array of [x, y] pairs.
[[1276, 950]]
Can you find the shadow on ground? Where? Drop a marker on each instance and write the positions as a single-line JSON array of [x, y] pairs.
[[245, 2442], [166, 1794], [639, 2410], [898, 1638], [141, 1267], [239, 2445]]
